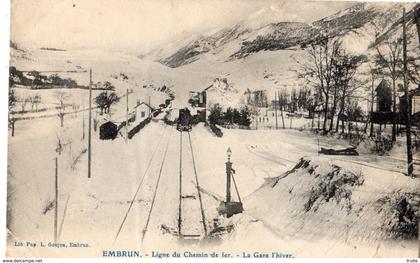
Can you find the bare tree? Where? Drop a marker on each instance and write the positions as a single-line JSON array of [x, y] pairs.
[[407, 98], [23, 103], [34, 101], [353, 113], [345, 84], [283, 100], [108, 86], [61, 97], [31, 102], [61, 115], [389, 59], [12, 121], [37, 101], [112, 98], [75, 107], [105, 100], [12, 99], [101, 101], [318, 69], [12, 103], [304, 98], [412, 61], [373, 76]]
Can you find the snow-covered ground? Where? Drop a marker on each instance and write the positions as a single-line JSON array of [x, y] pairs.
[[111, 210], [95, 208]]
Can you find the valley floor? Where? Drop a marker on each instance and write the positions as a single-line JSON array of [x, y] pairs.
[[113, 208]]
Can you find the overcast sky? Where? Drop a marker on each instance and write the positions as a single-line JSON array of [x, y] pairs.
[[135, 25]]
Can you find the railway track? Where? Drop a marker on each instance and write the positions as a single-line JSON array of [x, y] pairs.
[[144, 231], [191, 216], [148, 168]]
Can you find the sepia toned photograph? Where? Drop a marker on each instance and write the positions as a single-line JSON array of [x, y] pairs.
[[213, 129]]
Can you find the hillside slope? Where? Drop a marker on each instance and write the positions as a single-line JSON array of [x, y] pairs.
[[338, 208], [264, 31]]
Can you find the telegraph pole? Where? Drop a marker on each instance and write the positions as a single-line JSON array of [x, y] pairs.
[[90, 125], [408, 119], [56, 201], [254, 104], [417, 20], [149, 106], [83, 117], [275, 107], [281, 110], [126, 119]]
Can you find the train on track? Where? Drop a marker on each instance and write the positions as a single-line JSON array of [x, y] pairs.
[[184, 120]]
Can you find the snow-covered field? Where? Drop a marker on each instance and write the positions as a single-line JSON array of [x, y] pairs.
[[95, 208], [111, 210]]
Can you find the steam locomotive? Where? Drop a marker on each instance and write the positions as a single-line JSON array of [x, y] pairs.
[[184, 120]]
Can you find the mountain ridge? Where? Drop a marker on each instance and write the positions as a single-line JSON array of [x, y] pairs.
[[258, 33]]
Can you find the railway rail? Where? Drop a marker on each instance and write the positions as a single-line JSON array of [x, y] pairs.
[[144, 231], [149, 164], [191, 216]]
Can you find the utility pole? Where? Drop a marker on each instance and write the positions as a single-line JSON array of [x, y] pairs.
[[281, 110], [417, 20], [149, 106], [255, 110], [408, 119], [275, 107], [126, 126], [90, 125], [83, 116], [372, 98], [291, 118], [56, 201]]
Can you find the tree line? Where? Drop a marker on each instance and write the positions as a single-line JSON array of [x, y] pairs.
[[230, 116], [331, 72], [340, 80], [36, 80]]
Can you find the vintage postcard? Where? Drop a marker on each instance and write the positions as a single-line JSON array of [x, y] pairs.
[[213, 129]]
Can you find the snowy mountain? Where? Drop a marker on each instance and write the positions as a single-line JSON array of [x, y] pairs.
[[265, 30], [169, 48], [192, 52], [257, 53]]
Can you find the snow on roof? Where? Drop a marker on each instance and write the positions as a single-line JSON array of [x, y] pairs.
[[382, 84], [144, 103]]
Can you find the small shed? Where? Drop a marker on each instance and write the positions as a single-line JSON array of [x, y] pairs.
[[108, 131]]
